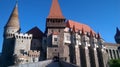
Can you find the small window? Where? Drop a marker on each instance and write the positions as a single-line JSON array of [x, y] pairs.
[[68, 38], [22, 41], [26, 60], [33, 59], [59, 30], [51, 30], [22, 51], [55, 39], [55, 49]]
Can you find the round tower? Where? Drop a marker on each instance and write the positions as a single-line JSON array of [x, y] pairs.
[[10, 29], [13, 24]]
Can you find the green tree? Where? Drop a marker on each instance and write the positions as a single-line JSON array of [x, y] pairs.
[[114, 63]]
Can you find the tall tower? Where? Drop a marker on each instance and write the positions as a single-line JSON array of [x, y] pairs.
[[10, 29], [117, 36], [55, 19], [55, 25]]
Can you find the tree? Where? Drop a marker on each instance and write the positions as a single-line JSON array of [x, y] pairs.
[[114, 63]]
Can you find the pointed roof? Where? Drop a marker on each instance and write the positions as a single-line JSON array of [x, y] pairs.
[[98, 35], [74, 28], [91, 33], [55, 11], [117, 30], [36, 32], [83, 31], [13, 20]]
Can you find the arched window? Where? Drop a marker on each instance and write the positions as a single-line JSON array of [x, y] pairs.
[[114, 54], [110, 53]]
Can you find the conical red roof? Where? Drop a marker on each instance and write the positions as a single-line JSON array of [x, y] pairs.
[[55, 11]]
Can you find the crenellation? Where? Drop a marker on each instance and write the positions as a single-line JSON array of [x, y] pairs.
[[23, 36], [34, 53]]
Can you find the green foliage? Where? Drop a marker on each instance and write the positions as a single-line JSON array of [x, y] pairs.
[[114, 63]]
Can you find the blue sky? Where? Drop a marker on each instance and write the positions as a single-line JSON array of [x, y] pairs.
[[101, 15]]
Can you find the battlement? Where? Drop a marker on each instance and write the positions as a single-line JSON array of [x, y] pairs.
[[9, 35], [21, 56], [23, 36], [34, 53]]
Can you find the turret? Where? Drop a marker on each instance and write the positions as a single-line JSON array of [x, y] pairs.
[[10, 29], [93, 40], [12, 25], [55, 19]]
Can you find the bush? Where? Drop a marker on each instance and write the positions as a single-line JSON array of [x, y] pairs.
[[114, 63]]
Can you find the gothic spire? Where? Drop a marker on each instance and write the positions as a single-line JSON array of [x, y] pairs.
[[83, 31], [74, 30], [13, 20], [55, 11], [98, 35], [117, 30], [91, 33]]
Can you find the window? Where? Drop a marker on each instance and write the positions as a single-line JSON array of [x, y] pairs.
[[55, 49], [22, 51], [55, 39], [51, 30], [68, 38], [33, 59], [22, 41], [59, 30]]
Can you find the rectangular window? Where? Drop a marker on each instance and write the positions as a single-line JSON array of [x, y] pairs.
[[68, 38], [55, 39]]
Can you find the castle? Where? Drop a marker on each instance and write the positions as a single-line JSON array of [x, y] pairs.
[[63, 39]]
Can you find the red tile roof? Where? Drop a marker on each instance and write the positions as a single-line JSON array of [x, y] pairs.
[[35, 32], [78, 26], [55, 11]]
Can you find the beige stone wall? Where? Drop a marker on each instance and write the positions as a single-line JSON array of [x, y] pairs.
[[52, 52], [22, 43]]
